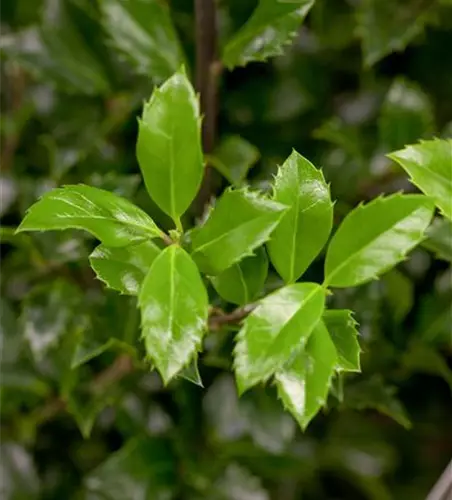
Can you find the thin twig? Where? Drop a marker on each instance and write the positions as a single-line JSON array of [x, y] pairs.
[[216, 321]]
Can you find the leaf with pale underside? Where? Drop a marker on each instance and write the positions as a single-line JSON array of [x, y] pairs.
[[278, 327], [174, 307], [169, 145], [115, 221], [375, 237], [304, 383], [153, 47], [429, 165], [272, 25], [305, 227], [342, 329], [125, 268], [241, 221], [241, 283]]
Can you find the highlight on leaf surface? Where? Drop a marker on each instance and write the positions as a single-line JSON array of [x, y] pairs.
[[375, 237], [115, 221], [174, 307], [304, 382], [429, 164], [305, 227], [124, 268], [272, 25], [241, 221], [278, 327], [169, 145]]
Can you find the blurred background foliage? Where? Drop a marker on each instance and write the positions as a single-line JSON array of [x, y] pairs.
[[81, 416]]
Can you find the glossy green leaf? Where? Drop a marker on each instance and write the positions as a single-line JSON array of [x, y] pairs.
[[375, 237], [169, 145], [124, 268], [406, 115], [240, 222], [375, 394], [115, 221], [439, 239], [429, 164], [191, 373], [385, 27], [305, 227], [143, 468], [233, 158], [400, 294], [343, 332], [174, 307], [304, 382], [242, 282], [272, 25], [275, 330], [153, 47]]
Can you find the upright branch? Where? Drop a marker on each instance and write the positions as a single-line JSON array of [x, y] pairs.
[[207, 72]]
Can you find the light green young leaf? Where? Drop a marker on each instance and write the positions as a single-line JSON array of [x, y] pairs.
[[305, 227], [303, 384], [153, 47], [242, 282], [240, 222], [272, 25], [275, 330], [169, 145], [125, 268], [115, 221], [233, 158], [375, 237], [406, 115], [342, 329], [429, 164], [385, 27], [174, 308], [439, 239]]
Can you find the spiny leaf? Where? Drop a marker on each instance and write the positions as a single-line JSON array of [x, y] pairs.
[[115, 221], [375, 237], [305, 227], [169, 145], [273, 24], [143, 32], [342, 329], [303, 384], [275, 330], [174, 307], [242, 282], [429, 164], [125, 268], [240, 222]]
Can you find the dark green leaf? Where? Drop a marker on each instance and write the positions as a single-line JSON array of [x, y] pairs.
[[429, 164], [241, 283], [240, 222], [174, 306], [342, 329], [439, 239], [406, 115], [124, 268], [374, 394], [20, 479], [275, 330], [169, 145], [375, 237], [305, 227], [113, 220], [303, 383], [400, 294], [385, 27], [272, 25], [143, 32], [233, 158]]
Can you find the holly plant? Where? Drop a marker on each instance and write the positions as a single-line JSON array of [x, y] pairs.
[[212, 275]]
